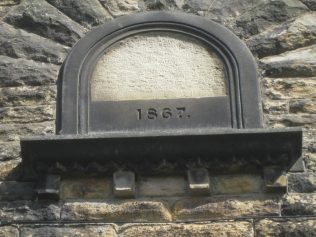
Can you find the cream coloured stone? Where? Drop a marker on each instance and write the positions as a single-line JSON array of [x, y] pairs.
[[162, 186], [157, 65]]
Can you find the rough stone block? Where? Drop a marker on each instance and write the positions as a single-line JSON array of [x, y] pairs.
[[53, 24], [27, 114], [12, 190], [292, 120], [236, 184], [275, 106], [289, 88], [295, 204], [286, 227], [225, 207], [13, 132], [302, 182], [86, 188], [18, 72], [162, 186], [70, 231], [29, 211], [9, 231], [10, 170], [286, 36], [303, 106], [95, 13], [9, 150], [297, 63], [117, 211], [310, 159], [262, 15], [17, 43], [24, 96], [215, 229]]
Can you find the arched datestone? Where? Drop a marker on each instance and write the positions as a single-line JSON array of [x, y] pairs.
[[158, 71]]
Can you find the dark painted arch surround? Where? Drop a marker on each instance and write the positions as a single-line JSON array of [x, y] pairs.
[[243, 106]]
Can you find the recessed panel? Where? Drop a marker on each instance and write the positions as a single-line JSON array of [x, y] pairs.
[[157, 66]]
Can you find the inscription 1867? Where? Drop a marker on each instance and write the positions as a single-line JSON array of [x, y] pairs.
[[164, 113]]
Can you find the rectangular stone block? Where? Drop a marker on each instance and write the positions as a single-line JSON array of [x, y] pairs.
[[117, 211], [295, 204], [28, 114], [289, 88], [70, 231], [13, 132], [216, 229], [9, 150], [10, 170], [225, 207], [302, 182], [27, 95], [298, 227], [29, 211], [162, 186], [86, 188], [303, 106], [9, 231], [236, 184]]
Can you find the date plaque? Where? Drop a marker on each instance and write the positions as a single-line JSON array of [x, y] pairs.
[[158, 71]]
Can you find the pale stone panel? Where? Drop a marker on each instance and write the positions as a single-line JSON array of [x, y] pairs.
[[157, 65]]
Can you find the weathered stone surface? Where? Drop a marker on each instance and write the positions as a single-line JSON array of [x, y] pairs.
[[86, 188], [29, 211], [303, 106], [131, 211], [266, 13], [18, 72], [295, 204], [13, 132], [18, 43], [27, 114], [10, 170], [311, 4], [207, 229], [286, 227], [9, 231], [297, 63], [287, 36], [122, 7], [86, 12], [12, 190], [162, 186], [236, 184], [27, 95], [275, 106], [298, 88], [69, 231], [9, 2], [9, 150], [292, 120], [302, 183], [310, 159], [43, 19], [225, 207]]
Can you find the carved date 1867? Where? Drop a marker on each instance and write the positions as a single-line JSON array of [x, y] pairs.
[[164, 113]]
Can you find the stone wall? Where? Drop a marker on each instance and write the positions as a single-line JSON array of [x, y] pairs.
[[35, 36]]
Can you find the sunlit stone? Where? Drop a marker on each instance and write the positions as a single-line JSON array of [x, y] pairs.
[[157, 65]]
